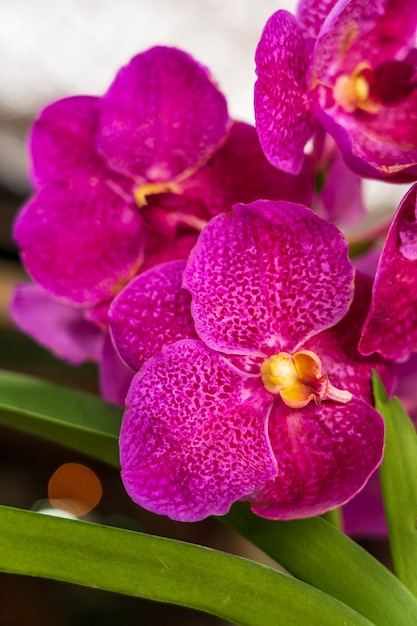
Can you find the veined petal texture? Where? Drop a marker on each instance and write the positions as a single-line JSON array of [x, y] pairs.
[[194, 437], [391, 326], [283, 112], [266, 277]]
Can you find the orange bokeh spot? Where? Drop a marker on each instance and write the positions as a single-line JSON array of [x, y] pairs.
[[74, 488]]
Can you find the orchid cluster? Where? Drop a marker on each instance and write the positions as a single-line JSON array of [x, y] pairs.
[[198, 260]]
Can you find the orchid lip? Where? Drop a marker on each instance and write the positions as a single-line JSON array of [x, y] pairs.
[[298, 379]]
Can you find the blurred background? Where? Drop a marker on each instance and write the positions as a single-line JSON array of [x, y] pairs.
[[49, 50]]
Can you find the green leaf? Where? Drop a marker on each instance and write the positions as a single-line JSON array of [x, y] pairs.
[[398, 474], [74, 419], [314, 551], [164, 570]]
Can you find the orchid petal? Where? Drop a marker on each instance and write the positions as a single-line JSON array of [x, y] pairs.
[[55, 325], [193, 439], [152, 311], [341, 200], [81, 241], [373, 31], [161, 116], [239, 172], [99, 314], [325, 455], [391, 326], [62, 141], [267, 277], [284, 118], [311, 15], [386, 141], [115, 375], [159, 249], [337, 348]]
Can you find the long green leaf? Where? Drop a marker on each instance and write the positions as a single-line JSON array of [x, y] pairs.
[[164, 570], [314, 551], [74, 419], [398, 474]]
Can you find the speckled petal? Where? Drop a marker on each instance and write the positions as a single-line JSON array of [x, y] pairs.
[[239, 172], [284, 119], [115, 376], [391, 326], [55, 325], [80, 242], [62, 141], [325, 455], [337, 348], [152, 311], [266, 277], [193, 439], [161, 116], [373, 31], [311, 15]]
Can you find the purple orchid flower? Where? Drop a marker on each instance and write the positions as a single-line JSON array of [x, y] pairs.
[[391, 326], [349, 66], [256, 398], [129, 179], [126, 181]]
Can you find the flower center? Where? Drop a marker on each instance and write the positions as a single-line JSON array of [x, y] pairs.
[[149, 189], [354, 91], [298, 379], [390, 83]]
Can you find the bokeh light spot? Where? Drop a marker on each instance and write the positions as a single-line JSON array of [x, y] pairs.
[[74, 488]]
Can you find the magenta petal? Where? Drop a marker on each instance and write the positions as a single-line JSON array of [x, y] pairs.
[[152, 311], [266, 277], [341, 200], [162, 115], [284, 119], [193, 439], [311, 15], [115, 375], [159, 249], [367, 149], [62, 141], [387, 141], [80, 242], [55, 325], [337, 348], [239, 172], [391, 326], [365, 30], [325, 455]]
